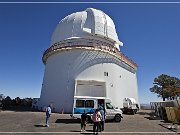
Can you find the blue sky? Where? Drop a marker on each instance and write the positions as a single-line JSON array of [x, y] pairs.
[[150, 33]]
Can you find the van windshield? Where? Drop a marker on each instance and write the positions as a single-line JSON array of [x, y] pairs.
[[109, 106]]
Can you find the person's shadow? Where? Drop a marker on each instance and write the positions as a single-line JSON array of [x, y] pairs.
[[40, 125], [89, 132]]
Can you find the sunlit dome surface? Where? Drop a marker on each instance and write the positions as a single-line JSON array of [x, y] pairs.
[[88, 24]]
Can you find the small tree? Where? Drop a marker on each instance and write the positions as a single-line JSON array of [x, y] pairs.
[[17, 101], [7, 102], [165, 86]]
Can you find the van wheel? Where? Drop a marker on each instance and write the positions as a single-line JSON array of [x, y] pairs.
[[125, 112], [132, 112], [117, 118], [135, 111]]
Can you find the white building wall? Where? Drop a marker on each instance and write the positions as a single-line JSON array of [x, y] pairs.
[[120, 83], [62, 69]]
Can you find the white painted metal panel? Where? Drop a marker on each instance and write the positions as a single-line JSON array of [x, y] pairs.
[[92, 90], [100, 21], [86, 24]]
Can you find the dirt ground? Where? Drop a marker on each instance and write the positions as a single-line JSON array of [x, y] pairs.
[[16, 122]]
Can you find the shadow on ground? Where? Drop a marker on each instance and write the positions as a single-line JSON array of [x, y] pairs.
[[145, 113], [39, 125], [170, 127], [149, 115], [166, 121], [67, 121], [152, 118], [89, 132]]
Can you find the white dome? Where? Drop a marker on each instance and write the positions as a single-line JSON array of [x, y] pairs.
[[88, 24]]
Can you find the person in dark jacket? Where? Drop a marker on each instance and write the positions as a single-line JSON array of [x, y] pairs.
[[83, 121]]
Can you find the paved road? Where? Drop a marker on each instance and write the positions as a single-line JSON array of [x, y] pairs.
[[33, 123]]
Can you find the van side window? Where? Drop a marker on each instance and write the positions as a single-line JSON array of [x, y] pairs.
[[80, 103], [89, 104], [109, 106]]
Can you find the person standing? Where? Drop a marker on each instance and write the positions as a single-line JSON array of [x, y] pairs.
[[102, 118], [96, 119], [83, 121], [48, 114]]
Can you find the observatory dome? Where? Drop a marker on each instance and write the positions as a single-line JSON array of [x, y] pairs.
[[88, 24]]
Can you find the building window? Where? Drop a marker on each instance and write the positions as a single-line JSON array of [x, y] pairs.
[[105, 73]]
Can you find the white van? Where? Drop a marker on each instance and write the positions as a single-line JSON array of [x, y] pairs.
[[90, 104]]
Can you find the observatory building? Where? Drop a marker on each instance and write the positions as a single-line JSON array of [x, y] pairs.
[[84, 59]]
